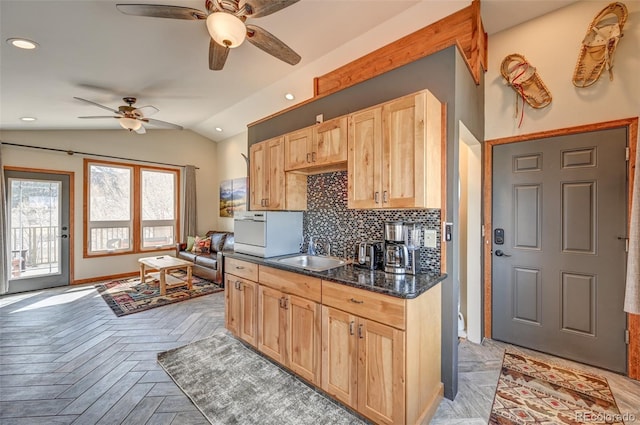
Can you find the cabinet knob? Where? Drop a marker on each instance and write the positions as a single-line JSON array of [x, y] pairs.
[[385, 197], [313, 157], [376, 197], [308, 155], [353, 300], [360, 334], [351, 327]]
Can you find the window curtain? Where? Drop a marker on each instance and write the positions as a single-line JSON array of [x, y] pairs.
[[632, 293], [4, 233], [190, 214]]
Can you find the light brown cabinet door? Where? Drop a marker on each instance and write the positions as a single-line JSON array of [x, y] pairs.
[[248, 310], [271, 317], [231, 305], [339, 355], [303, 337], [330, 142], [298, 147], [402, 175], [364, 159], [258, 176], [381, 372], [276, 185]]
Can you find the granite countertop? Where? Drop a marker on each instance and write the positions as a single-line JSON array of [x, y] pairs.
[[401, 286]]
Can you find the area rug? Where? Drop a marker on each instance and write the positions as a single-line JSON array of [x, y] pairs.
[[232, 384], [129, 296], [533, 391]]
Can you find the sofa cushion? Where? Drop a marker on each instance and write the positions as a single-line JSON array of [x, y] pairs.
[[190, 241], [217, 241], [209, 261], [228, 242], [202, 245], [187, 255]]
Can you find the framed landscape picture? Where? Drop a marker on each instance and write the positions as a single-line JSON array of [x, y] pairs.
[[233, 196]]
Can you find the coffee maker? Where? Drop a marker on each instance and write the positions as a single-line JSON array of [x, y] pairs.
[[401, 247]]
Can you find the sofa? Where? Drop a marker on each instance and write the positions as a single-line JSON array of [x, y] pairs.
[[209, 265]]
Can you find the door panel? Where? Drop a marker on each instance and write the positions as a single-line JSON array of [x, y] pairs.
[[558, 278], [365, 132], [248, 300], [270, 318], [339, 355], [39, 219], [303, 337]]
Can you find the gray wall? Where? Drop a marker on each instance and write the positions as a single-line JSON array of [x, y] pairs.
[[446, 75]]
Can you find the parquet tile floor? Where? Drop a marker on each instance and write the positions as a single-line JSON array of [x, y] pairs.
[[65, 358]]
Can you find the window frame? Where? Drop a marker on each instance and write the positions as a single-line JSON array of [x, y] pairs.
[[136, 221]]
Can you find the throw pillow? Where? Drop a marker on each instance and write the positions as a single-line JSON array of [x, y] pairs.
[[202, 245], [190, 241]]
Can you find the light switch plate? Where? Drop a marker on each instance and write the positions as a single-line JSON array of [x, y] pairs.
[[430, 238]]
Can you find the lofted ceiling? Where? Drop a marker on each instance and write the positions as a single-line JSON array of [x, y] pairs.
[[88, 49]]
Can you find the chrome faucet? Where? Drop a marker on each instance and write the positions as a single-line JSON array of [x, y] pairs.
[[325, 244], [311, 247]]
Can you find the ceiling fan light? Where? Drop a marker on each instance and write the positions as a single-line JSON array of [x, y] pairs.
[[130, 124], [226, 29]]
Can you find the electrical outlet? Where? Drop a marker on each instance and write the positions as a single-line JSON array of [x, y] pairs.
[[430, 238], [319, 118]]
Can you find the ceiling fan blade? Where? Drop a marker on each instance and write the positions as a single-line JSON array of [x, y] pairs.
[[162, 11], [141, 130], [268, 42], [161, 123], [217, 55], [258, 8], [146, 111], [115, 111], [100, 117]]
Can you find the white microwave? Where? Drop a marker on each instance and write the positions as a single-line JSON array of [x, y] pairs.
[[268, 233]]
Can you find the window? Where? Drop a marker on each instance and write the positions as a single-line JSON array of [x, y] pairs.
[[129, 208]]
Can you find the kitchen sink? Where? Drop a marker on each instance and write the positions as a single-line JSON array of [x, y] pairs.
[[316, 263]]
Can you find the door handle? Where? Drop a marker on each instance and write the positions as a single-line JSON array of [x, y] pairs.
[[64, 236], [499, 253]]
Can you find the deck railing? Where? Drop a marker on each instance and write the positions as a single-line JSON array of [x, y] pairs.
[[35, 245]]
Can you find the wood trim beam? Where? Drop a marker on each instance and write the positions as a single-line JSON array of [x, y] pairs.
[[463, 28], [633, 321]]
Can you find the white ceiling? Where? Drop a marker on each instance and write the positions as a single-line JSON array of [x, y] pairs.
[[89, 49]]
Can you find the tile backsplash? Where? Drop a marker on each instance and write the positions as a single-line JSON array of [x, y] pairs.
[[327, 216]]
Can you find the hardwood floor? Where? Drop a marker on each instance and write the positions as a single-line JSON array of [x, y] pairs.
[[66, 358]]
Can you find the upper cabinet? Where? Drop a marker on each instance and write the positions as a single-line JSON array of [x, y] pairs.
[[394, 157], [270, 187], [319, 148], [392, 153]]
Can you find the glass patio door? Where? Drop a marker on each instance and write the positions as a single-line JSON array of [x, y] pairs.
[[38, 209]]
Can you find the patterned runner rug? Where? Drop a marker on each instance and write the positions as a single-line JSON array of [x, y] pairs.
[[129, 296], [533, 391], [232, 384]]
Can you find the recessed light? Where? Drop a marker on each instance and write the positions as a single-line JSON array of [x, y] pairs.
[[28, 119], [218, 129], [289, 96], [22, 43]]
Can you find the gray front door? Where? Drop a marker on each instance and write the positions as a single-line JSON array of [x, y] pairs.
[[559, 206]]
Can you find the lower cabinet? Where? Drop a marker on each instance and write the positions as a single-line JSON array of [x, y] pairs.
[[288, 331], [363, 365], [377, 354], [241, 297]]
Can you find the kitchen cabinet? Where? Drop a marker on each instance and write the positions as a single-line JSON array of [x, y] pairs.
[[394, 154], [317, 149], [241, 297], [381, 354], [270, 188], [289, 321]]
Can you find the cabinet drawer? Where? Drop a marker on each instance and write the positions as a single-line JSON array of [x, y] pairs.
[[371, 305], [291, 283], [241, 268]]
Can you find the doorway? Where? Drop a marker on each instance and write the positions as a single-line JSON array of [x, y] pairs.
[[39, 215], [558, 238]]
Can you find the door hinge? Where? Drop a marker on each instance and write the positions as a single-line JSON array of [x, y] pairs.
[[626, 336], [627, 153], [482, 231]]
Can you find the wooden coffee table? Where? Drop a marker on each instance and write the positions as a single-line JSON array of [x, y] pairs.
[[163, 264]]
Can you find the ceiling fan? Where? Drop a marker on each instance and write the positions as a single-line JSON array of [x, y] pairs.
[[225, 21], [130, 117]]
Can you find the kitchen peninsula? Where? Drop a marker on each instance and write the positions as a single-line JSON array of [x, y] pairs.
[[368, 339]]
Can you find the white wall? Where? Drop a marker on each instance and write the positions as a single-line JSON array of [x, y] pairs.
[[231, 165], [167, 146], [551, 43]]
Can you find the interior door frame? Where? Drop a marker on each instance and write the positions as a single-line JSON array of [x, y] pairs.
[[71, 176], [633, 321]]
